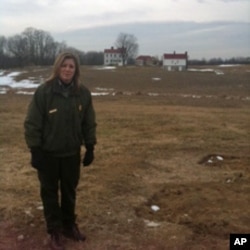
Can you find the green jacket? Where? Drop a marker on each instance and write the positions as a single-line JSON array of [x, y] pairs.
[[60, 120]]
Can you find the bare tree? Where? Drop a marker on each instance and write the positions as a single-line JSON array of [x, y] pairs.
[[28, 35], [37, 47], [2, 44], [41, 45], [17, 45], [127, 43]]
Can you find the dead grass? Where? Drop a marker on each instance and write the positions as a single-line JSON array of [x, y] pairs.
[[152, 150]]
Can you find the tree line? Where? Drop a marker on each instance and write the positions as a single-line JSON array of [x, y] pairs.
[[219, 61], [38, 47]]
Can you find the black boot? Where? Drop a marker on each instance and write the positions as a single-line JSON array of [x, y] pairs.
[[73, 232], [56, 241]]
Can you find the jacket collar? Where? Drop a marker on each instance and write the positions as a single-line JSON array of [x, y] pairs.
[[59, 88]]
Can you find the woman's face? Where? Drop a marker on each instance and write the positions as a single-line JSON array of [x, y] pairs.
[[67, 70]]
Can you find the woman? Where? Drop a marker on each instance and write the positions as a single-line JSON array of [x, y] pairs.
[[59, 120]]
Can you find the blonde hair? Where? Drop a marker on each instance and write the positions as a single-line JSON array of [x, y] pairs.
[[59, 61]]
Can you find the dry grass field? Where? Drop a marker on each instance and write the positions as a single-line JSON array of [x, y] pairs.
[[175, 141]]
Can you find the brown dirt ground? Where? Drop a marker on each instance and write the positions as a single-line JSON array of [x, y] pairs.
[[185, 151]]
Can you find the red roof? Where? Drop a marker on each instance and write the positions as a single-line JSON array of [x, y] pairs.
[[175, 56], [144, 58], [112, 50]]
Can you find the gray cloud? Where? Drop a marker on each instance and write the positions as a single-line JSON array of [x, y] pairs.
[[166, 26], [62, 15], [204, 1], [201, 40]]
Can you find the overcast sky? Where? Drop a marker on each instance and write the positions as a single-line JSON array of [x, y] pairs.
[[204, 28]]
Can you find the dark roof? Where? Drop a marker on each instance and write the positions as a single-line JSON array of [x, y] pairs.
[[144, 58], [175, 56], [112, 50]]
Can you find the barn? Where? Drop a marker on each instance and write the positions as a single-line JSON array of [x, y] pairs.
[[175, 61], [144, 61]]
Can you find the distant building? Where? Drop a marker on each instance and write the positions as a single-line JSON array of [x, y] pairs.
[[113, 56], [177, 62], [144, 61]]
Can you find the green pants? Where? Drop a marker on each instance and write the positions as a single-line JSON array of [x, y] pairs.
[[58, 181]]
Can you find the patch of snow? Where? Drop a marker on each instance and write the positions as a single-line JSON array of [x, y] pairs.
[[153, 94], [27, 84], [196, 96], [14, 74], [228, 65], [25, 92], [7, 80], [104, 67], [104, 89], [28, 213], [220, 158], [3, 90], [99, 93], [214, 159], [39, 208], [155, 208], [201, 70], [151, 223], [20, 237], [156, 78], [218, 72]]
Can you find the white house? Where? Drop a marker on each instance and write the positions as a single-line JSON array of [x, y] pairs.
[[113, 56], [175, 61]]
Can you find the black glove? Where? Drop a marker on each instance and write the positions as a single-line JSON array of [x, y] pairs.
[[89, 155], [37, 158]]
